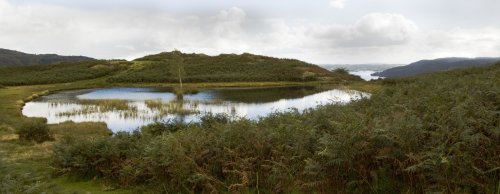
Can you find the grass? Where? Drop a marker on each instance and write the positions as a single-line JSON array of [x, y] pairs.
[[179, 107], [101, 107], [225, 68], [435, 133], [29, 163], [26, 165]]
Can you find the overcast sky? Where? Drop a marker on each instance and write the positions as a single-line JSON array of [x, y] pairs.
[[316, 31]]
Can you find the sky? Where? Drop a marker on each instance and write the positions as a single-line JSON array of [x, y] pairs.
[[316, 31]]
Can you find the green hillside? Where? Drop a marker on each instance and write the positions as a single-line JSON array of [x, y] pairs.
[[59, 73], [16, 58], [156, 69], [225, 68]]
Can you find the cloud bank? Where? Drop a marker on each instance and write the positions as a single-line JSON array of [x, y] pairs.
[[338, 3], [127, 33]]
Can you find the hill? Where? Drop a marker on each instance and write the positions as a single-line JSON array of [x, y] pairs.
[[156, 69], [442, 64], [15, 58], [225, 68], [59, 73]]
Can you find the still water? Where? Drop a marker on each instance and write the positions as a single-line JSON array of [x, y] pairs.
[[365, 74], [125, 109]]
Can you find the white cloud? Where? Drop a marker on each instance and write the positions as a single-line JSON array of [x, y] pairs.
[[129, 33], [339, 4], [375, 29]]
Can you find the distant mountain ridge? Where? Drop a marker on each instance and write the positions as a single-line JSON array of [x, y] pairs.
[[16, 58], [441, 64], [360, 67]]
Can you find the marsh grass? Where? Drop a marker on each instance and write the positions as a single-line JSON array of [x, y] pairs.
[[178, 107], [87, 107]]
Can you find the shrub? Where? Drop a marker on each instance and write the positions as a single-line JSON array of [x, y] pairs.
[[341, 71], [35, 130], [161, 127], [309, 76]]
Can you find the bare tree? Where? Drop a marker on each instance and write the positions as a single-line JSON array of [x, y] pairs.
[[177, 66]]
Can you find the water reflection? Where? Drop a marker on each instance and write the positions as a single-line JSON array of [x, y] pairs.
[[365, 75], [129, 108]]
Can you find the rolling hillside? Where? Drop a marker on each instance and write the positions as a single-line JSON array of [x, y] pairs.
[[15, 58], [225, 68], [428, 66], [156, 69]]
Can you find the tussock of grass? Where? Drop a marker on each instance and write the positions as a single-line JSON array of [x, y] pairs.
[[83, 130], [178, 107]]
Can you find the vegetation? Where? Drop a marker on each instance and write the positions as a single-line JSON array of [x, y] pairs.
[[177, 67], [429, 66], [174, 67], [34, 130], [59, 73], [15, 58], [426, 134], [224, 68], [432, 133]]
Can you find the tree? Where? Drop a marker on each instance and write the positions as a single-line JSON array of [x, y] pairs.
[[177, 66]]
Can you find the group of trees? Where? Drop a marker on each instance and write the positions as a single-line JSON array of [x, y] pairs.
[[432, 133]]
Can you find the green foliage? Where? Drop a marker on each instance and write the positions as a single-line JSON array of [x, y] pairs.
[[59, 73], [12, 182], [222, 68], [166, 68], [309, 76], [341, 71], [35, 130], [432, 133]]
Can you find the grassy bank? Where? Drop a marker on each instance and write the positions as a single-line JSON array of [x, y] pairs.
[[25, 167], [431, 133]]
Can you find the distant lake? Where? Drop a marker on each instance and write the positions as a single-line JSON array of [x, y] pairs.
[[125, 109], [365, 75]]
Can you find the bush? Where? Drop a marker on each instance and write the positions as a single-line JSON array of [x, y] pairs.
[[161, 127], [341, 71], [309, 76], [35, 130]]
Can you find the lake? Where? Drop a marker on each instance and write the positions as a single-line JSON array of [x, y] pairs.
[[126, 109], [365, 74]]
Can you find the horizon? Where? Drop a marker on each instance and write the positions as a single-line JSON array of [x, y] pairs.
[[320, 32], [318, 64]]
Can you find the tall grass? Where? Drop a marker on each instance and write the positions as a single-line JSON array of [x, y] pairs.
[[432, 133]]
